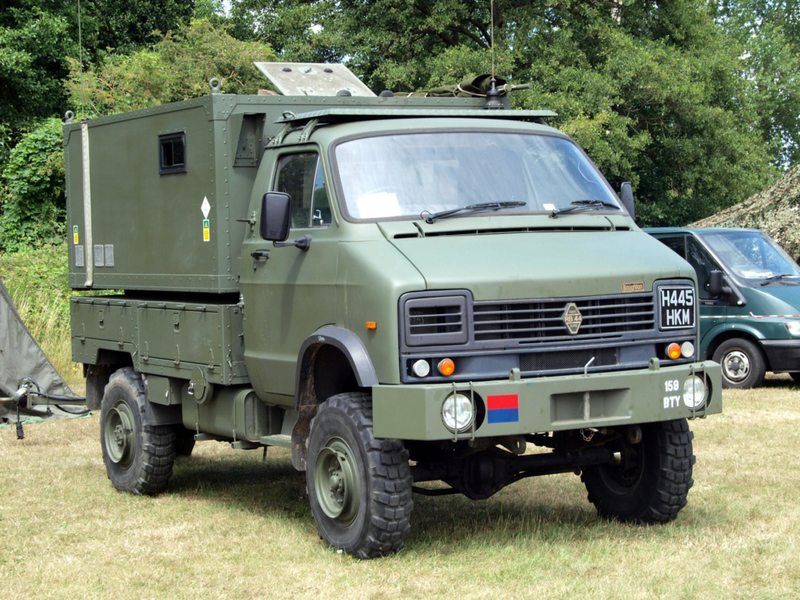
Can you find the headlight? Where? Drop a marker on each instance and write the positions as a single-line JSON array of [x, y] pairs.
[[457, 412], [694, 392], [793, 327]]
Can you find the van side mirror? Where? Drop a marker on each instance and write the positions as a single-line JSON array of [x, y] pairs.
[[276, 214], [626, 195], [717, 287], [715, 283]]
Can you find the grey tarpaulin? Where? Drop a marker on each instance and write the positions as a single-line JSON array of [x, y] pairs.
[[21, 356]]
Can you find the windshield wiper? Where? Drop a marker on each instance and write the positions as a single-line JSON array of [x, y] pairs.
[[579, 205], [772, 278], [430, 218]]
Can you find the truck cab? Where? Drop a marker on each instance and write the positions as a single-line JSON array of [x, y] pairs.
[[749, 300]]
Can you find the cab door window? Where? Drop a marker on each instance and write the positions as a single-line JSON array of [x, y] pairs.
[[703, 264], [300, 175]]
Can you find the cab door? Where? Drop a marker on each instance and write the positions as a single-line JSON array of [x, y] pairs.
[[292, 293]]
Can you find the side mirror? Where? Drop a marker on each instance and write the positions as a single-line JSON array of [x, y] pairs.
[[717, 287], [626, 195], [276, 214], [715, 283]]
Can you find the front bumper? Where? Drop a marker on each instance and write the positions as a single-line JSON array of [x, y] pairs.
[[783, 355], [414, 412]]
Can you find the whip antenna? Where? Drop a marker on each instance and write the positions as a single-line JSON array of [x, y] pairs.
[[493, 96], [80, 57]]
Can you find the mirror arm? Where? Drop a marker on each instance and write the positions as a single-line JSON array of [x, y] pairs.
[[303, 242]]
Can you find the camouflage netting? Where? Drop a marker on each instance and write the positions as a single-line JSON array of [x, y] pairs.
[[776, 210]]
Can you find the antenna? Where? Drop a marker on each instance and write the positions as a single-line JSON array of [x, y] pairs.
[[493, 96], [80, 57], [491, 39]]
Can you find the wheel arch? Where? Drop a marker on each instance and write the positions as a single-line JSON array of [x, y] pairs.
[[331, 361], [745, 333]]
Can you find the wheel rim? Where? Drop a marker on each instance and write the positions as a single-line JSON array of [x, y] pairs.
[[119, 437], [337, 483], [625, 477], [736, 365]]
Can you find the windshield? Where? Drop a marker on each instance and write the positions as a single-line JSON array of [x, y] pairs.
[[408, 175], [751, 255]]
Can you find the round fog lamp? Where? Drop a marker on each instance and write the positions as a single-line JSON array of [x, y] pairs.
[[694, 392], [687, 349], [673, 351], [421, 368], [457, 413]]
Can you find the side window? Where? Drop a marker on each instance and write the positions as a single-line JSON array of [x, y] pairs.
[[300, 176], [703, 264], [675, 243], [172, 153]]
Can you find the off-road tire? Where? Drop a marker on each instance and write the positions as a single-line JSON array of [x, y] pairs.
[[359, 487], [138, 455], [184, 441], [652, 483], [743, 364]]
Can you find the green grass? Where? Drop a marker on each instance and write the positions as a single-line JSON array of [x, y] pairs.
[[233, 526]]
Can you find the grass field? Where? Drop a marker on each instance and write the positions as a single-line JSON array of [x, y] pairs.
[[234, 526]]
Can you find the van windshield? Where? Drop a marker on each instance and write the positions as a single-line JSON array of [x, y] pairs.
[[752, 256], [408, 175]]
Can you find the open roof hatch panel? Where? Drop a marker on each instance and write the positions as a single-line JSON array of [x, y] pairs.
[[312, 79]]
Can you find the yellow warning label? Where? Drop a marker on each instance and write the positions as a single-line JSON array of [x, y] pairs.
[[206, 231], [75, 234]]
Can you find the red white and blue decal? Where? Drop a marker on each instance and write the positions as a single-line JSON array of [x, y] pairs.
[[503, 409]]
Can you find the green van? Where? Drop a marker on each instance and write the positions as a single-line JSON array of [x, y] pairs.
[[749, 300]]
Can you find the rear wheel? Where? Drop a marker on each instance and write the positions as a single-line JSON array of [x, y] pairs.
[[743, 365], [359, 487], [138, 456], [652, 481]]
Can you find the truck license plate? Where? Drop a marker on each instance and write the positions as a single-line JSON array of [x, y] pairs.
[[677, 307]]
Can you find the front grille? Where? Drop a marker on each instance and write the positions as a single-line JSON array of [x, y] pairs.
[[440, 320], [571, 359], [532, 322]]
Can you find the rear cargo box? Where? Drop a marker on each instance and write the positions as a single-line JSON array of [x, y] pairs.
[[153, 196]]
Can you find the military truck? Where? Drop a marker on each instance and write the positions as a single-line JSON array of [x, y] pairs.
[[409, 293]]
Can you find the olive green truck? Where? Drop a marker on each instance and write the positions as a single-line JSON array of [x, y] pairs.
[[409, 293]]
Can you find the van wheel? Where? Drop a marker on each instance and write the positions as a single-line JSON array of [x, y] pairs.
[[743, 365], [359, 487], [652, 481], [138, 455]]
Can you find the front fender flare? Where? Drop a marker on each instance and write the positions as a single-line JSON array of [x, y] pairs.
[[349, 344]]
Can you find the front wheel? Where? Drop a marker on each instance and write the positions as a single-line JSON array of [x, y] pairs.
[[742, 363], [359, 487], [652, 481]]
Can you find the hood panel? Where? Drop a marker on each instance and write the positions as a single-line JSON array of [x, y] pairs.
[[772, 300], [540, 264]]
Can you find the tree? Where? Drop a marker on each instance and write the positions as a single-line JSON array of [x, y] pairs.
[[178, 67], [32, 189], [653, 90], [769, 30]]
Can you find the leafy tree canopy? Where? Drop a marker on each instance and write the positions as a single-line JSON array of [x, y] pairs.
[[769, 30], [654, 91], [178, 67]]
